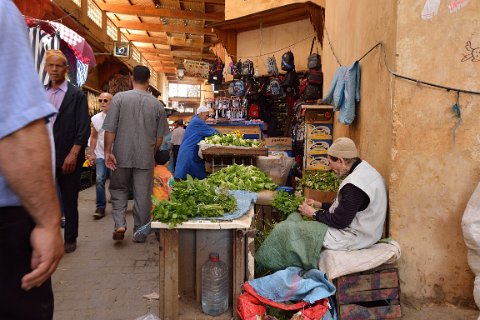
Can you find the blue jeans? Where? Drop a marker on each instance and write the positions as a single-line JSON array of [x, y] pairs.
[[101, 177]]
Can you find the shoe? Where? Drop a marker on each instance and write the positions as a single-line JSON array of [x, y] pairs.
[[119, 233], [139, 237], [99, 213], [62, 222], [69, 247]]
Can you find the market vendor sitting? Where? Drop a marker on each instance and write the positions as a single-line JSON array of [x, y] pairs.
[[356, 218], [188, 161]]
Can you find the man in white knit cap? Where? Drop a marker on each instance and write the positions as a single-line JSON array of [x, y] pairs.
[[356, 218]]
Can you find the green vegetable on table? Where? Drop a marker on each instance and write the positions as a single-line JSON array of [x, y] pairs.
[[286, 203], [241, 177], [323, 181], [231, 140], [193, 198]]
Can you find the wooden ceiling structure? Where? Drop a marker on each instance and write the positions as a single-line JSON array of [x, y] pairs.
[[166, 32]]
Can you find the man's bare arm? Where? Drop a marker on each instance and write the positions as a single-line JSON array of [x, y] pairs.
[[27, 168], [110, 160]]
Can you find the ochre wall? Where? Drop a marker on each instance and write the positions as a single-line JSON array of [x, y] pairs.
[[257, 45], [432, 179], [353, 29], [239, 8]]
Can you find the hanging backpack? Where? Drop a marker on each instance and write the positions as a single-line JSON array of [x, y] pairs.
[[247, 68], [275, 87], [291, 82], [237, 70], [238, 88], [288, 61], [272, 66], [253, 111], [230, 89], [314, 60]]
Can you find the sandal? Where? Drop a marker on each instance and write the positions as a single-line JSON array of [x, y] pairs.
[[119, 233]]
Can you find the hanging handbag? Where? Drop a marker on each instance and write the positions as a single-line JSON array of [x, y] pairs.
[[314, 60]]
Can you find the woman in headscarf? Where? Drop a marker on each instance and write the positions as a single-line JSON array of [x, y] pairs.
[[188, 161]]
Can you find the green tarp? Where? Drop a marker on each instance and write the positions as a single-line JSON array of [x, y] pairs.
[[293, 242]]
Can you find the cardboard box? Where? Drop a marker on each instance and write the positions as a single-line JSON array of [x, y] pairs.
[[278, 143], [319, 116], [317, 146], [319, 131], [322, 196], [316, 162]]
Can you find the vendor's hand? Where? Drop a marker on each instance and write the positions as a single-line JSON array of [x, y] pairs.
[[315, 204], [306, 210], [69, 163], [110, 161]]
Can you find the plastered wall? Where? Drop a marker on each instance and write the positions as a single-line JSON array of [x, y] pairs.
[[353, 29], [239, 8], [431, 177], [257, 45]]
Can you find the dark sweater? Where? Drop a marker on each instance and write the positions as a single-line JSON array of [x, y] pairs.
[[351, 200]]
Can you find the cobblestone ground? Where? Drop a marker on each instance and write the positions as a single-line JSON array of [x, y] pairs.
[[106, 280]]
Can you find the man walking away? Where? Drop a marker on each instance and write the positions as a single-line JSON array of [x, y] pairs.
[[30, 240], [97, 155], [71, 130], [177, 137], [134, 128]]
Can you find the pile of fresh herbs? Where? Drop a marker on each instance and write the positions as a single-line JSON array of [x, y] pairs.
[[286, 203], [193, 198], [241, 177], [323, 181], [232, 140]]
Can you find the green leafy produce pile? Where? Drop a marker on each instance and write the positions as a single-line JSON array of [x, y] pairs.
[[193, 198], [231, 139], [323, 181], [241, 177], [286, 203]]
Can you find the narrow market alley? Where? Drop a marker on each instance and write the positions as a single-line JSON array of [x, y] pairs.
[[104, 280]]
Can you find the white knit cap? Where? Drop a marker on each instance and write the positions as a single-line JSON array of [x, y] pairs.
[[343, 148], [202, 109]]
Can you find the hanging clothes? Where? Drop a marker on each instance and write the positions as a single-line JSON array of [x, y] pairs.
[[344, 92], [188, 161], [40, 42]]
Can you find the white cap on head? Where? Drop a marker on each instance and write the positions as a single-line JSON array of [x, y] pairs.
[[202, 109]]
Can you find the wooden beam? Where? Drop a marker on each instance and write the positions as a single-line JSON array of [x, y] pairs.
[[161, 12], [162, 62], [165, 41], [218, 2], [158, 27], [154, 50]]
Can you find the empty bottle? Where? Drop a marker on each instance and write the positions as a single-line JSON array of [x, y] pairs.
[[214, 286]]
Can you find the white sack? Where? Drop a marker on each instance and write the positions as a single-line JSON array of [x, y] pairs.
[[471, 235], [339, 263]]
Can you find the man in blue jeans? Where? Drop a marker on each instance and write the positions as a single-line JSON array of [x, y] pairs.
[[96, 153]]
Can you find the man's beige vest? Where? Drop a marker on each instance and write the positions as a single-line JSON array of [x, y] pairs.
[[367, 226]]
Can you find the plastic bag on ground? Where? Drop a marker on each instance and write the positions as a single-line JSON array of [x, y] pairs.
[[148, 316]]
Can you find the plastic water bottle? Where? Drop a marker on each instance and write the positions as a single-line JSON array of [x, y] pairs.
[[214, 286]]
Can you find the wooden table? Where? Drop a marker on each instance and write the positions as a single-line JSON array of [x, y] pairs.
[[221, 157], [176, 300]]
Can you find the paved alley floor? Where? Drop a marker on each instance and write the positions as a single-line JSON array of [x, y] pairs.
[[106, 280]]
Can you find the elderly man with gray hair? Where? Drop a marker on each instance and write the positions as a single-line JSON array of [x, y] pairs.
[[355, 219]]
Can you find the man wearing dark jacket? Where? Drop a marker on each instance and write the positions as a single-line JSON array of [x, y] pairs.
[[71, 130]]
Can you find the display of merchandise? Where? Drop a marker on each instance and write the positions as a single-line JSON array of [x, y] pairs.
[[233, 108], [214, 286]]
